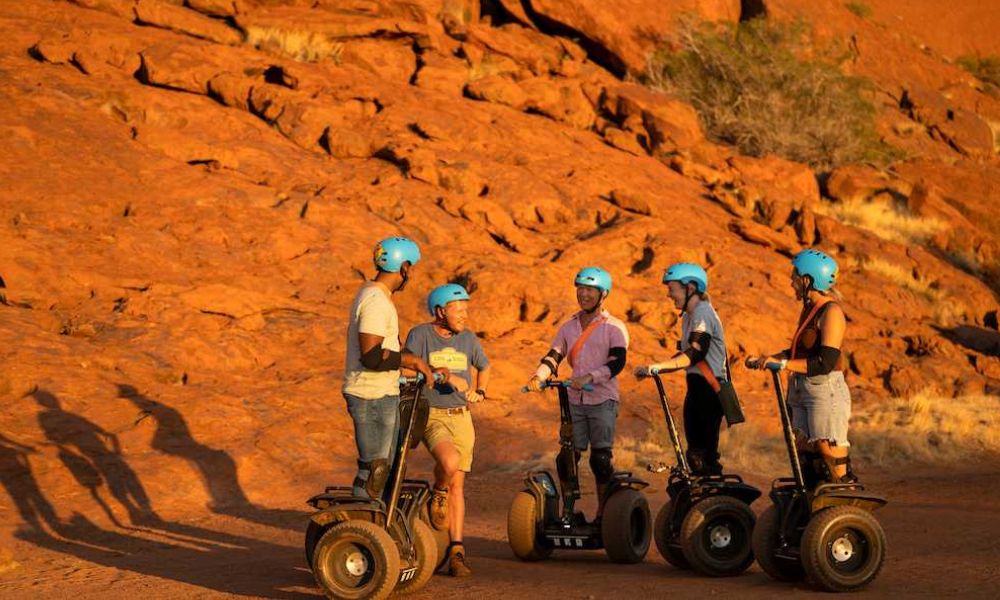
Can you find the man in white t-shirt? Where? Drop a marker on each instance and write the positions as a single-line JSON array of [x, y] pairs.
[[374, 357]]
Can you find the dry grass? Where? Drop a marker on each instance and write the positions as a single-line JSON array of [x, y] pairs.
[[884, 220], [901, 277], [928, 429], [924, 429], [304, 46], [766, 88]]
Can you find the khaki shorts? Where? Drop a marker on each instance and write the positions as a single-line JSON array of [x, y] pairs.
[[455, 428]]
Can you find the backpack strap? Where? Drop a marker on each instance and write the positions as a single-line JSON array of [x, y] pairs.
[[580, 341], [710, 377], [802, 326]]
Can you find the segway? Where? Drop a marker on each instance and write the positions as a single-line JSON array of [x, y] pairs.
[[826, 534], [361, 547], [707, 523], [536, 525]]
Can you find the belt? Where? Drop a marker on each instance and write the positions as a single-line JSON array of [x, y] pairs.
[[455, 410]]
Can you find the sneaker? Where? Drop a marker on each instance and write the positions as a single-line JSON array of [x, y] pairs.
[[439, 509], [457, 567]]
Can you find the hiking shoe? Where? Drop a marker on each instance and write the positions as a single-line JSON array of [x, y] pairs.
[[439, 509], [457, 567]]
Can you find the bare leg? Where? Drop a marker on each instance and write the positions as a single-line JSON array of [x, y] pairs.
[[456, 506], [446, 458]]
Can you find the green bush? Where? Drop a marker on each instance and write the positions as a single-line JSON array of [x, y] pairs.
[[762, 87], [859, 8], [983, 68]]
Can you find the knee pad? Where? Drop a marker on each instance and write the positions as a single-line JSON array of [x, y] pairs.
[[600, 464], [377, 471]]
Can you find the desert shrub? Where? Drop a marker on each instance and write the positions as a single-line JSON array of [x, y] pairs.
[[983, 68], [859, 8], [763, 87]]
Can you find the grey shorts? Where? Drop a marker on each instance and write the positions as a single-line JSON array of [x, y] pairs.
[[821, 406], [594, 424]]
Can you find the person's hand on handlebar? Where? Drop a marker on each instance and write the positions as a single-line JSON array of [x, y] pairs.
[[535, 384], [765, 362], [424, 369], [577, 383]]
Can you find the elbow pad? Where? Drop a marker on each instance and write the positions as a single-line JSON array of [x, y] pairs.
[[551, 362], [617, 362], [377, 359], [824, 362], [699, 338]]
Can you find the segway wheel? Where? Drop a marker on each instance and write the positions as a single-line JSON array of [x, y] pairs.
[[522, 528], [764, 544], [715, 536], [662, 536], [354, 560], [626, 527], [843, 549], [442, 539], [427, 558], [313, 532]]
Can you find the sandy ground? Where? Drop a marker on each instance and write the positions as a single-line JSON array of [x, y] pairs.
[[943, 530]]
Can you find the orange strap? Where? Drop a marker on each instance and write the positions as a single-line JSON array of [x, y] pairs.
[[802, 326], [580, 341], [709, 376]]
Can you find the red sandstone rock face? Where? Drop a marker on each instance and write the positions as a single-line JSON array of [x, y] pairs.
[[189, 203]]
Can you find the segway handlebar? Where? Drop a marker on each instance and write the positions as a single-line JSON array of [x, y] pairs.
[[419, 379], [564, 383], [771, 365]]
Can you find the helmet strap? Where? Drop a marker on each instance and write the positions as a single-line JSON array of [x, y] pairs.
[[600, 303], [442, 321], [404, 274]]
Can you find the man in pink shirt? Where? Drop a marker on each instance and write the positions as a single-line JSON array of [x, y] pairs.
[[594, 344]]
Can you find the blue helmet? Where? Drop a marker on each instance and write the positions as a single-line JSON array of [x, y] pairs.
[[443, 294], [594, 277], [391, 253], [817, 265], [687, 273]]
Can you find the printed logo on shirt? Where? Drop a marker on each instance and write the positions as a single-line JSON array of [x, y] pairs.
[[449, 358], [701, 326]]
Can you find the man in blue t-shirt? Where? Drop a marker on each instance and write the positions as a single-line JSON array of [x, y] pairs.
[[450, 436]]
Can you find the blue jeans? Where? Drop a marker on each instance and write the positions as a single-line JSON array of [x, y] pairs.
[[376, 428]]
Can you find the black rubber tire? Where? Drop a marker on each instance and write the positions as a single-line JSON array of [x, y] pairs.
[[661, 535], [366, 541], [862, 545], [522, 528], [626, 527], [442, 539], [716, 534], [427, 558], [764, 543]]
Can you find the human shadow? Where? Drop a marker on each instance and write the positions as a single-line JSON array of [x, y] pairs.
[[93, 455], [216, 469], [16, 477], [249, 567], [150, 545]]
